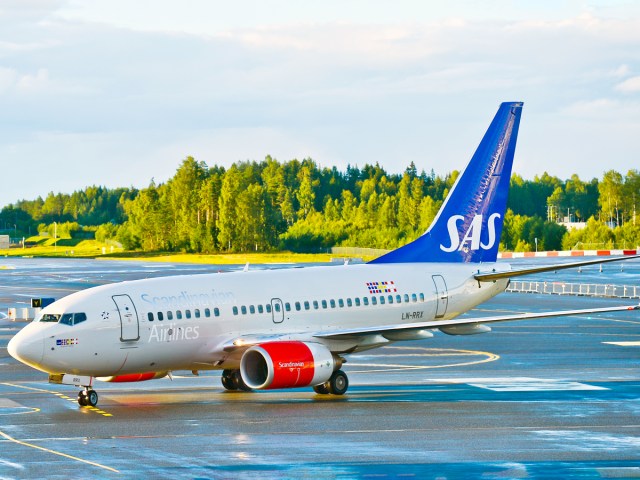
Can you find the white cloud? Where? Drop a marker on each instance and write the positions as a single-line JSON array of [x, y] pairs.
[[630, 85], [34, 82], [621, 71]]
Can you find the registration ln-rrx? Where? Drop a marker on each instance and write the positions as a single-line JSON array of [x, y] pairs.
[[268, 329]]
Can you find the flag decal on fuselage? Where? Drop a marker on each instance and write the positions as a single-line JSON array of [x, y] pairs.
[[381, 287]]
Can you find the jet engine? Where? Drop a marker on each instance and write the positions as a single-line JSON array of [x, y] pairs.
[[287, 364]]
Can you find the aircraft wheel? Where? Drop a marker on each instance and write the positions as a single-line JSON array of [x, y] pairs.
[[239, 382], [82, 398], [322, 389], [92, 398], [338, 383], [228, 381]]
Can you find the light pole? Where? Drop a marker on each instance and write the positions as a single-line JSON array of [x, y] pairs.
[[55, 236]]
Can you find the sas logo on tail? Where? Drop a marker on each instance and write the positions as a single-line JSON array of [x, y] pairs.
[[471, 239]]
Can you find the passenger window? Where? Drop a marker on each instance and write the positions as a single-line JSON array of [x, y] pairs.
[[66, 319], [332, 302], [252, 309], [324, 304], [398, 299], [169, 315], [243, 309], [341, 303], [150, 316], [406, 298], [381, 299], [196, 312], [79, 318], [235, 310], [365, 300], [276, 307], [187, 313], [307, 306], [349, 304], [207, 312], [422, 297], [179, 314], [374, 301], [260, 309], [357, 300], [216, 312], [287, 307], [298, 308], [390, 297], [315, 305], [414, 299], [160, 316], [268, 307]]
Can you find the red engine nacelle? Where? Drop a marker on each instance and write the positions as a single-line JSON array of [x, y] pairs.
[[286, 365]]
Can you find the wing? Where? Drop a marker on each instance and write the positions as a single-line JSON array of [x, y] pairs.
[[491, 276], [244, 342], [468, 321]]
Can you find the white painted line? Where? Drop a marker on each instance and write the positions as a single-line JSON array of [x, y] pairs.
[[526, 384], [624, 344]]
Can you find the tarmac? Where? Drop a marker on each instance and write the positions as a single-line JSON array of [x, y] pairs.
[[551, 398]]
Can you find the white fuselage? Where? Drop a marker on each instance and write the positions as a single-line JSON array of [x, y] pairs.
[[188, 322]]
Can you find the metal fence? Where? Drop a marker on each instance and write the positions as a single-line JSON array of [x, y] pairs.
[[580, 289]]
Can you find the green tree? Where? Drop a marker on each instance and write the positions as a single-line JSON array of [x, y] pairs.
[[306, 195], [228, 224], [611, 196]]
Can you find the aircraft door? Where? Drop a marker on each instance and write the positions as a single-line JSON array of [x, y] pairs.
[[129, 326], [442, 295], [277, 310]]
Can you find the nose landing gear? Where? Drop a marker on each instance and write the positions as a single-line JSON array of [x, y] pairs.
[[88, 398]]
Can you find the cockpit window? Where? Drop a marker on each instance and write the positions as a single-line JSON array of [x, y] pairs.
[[50, 317], [72, 318]]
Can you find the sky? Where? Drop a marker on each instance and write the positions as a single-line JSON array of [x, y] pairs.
[[118, 93]]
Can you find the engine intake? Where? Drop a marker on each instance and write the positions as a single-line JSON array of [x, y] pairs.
[[287, 365]]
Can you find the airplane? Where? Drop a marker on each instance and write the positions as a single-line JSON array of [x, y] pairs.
[[287, 328]]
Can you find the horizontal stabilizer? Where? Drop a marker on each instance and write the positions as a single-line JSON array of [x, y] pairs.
[[492, 276]]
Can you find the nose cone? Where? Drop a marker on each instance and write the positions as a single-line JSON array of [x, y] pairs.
[[27, 346]]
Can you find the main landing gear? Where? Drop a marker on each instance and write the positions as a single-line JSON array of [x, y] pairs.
[[88, 398], [336, 385], [232, 381]]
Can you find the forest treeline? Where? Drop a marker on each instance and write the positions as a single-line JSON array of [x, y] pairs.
[[298, 206]]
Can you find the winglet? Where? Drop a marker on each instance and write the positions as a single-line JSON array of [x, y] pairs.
[[467, 228]]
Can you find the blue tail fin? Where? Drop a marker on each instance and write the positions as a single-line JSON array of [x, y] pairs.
[[468, 226]]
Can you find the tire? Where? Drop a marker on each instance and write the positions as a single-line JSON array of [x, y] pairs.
[[239, 382], [82, 399], [338, 383], [92, 398], [227, 380], [322, 389]]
